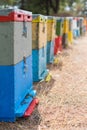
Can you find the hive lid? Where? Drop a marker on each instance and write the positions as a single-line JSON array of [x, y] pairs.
[[39, 18], [13, 14], [51, 19], [59, 19]]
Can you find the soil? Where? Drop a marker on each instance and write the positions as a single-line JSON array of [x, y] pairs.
[[63, 99]]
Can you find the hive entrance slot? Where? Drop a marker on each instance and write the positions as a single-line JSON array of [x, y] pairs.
[[28, 17], [19, 15]]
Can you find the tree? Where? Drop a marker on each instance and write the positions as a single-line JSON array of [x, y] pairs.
[[5, 2], [47, 7], [40, 6]]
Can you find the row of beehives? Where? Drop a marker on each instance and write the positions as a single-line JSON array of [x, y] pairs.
[[26, 47], [49, 36]]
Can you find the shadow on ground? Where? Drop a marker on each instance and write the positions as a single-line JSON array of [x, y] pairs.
[[44, 87]]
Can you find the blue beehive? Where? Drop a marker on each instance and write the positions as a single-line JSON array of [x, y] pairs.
[[51, 28], [16, 91], [39, 41]]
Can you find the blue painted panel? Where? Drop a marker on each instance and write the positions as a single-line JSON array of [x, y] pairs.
[[50, 52], [22, 79], [7, 112], [16, 83], [78, 33], [35, 64], [39, 64], [42, 61], [75, 33]]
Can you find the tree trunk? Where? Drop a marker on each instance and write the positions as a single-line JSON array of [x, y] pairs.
[[47, 7], [54, 4]]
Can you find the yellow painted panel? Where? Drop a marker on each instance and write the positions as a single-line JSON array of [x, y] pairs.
[[70, 37], [65, 26], [51, 31], [39, 35], [42, 35], [35, 28]]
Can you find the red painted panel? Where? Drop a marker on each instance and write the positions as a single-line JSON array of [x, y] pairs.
[[58, 45], [16, 16], [31, 107]]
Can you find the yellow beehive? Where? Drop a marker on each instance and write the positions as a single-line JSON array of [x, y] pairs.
[[39, 31]]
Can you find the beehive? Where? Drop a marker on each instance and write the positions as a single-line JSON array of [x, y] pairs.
[[39, 42], [59, 26], [51, 29], [81, 25], [15, 63], [65, 41], [65, 25], [59, 32], [70, 32]]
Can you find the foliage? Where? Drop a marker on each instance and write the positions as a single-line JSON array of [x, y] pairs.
[[44, 6]]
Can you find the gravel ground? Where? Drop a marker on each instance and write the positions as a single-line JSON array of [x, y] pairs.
[[63, 100]]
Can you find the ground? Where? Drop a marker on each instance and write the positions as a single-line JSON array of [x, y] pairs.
[[63, 100]]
